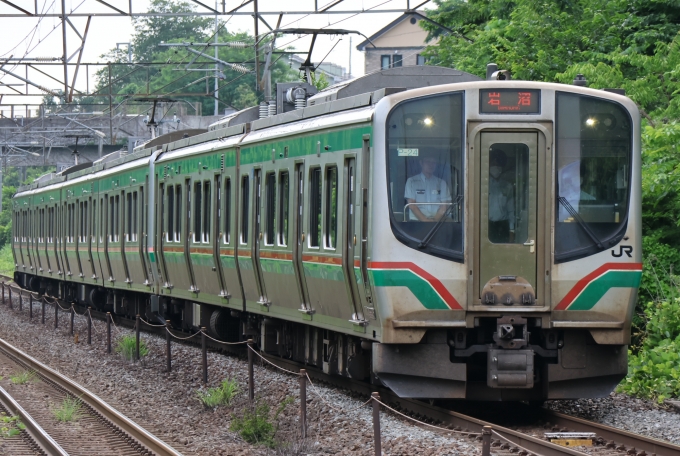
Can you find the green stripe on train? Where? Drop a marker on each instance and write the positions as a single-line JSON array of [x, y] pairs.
[[420, 287], [349, 138], [596, 289]]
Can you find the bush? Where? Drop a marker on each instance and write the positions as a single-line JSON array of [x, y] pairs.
[[6, 258], [654, 372], [257, 426], [220, 395], [127, 345]]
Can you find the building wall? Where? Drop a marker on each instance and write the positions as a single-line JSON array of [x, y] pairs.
[[372, 57]]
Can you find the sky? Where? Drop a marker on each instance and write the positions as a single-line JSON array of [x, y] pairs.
[[31, 37]]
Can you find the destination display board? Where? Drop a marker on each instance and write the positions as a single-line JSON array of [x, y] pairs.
[[509, 101]]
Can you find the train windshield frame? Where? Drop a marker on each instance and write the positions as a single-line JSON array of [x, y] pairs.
[[593, 157], [425, 173]]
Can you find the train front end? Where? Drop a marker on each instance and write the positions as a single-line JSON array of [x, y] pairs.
[[509, 252]]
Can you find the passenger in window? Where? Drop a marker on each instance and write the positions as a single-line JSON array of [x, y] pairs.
[[424, 191], [501, 201]]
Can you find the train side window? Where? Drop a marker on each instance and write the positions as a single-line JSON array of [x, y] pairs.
[[206, 213], [245, 197], [227, 211], [102, 223], [116, 226], [41, 227], [190, 212], [128, 217], [84, 220], [198, 206], [93, 229], [170, 233], [178, 213], [271, 209], [284, 201], [135, 208], [140, 214], [331, 217], [315, 207]]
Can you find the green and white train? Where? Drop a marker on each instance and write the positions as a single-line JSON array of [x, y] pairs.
[[446, 236]]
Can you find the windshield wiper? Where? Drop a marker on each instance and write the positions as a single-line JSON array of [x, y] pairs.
[[563, 201], [430, 234]]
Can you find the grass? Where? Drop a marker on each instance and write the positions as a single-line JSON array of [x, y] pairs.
[[10, 426], [220, 395], [69, 410], [23, 377], [6, 260], [257, 425], [126, 346]]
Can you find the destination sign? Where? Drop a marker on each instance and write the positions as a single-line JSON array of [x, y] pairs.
[[510, 101]]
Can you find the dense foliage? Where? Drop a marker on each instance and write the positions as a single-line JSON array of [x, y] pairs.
[[653, 370]]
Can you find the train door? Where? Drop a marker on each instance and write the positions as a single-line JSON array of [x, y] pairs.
[[299, 239], [275, 249], [508, 228], [67, 227], [143, 238], [348, 261], [92, 241], [257, 236], [131, 236], [81, 217], [249, 231], [165, 228], [202, 264], [358, 198], [227, 226]]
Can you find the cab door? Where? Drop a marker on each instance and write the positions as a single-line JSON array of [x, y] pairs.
[[508, 214]]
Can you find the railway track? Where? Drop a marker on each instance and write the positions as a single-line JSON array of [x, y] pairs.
[[524, 439], [101, 429]]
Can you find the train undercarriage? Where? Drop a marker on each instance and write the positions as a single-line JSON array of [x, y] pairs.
[[502, 358]]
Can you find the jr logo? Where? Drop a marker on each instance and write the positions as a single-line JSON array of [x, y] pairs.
[[627, 249]]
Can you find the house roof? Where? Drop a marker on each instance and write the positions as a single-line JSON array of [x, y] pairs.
[[385, 30]]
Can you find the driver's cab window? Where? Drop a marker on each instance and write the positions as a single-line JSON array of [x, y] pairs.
[[425, 162]]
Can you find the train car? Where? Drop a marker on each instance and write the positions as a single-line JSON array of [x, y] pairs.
[[421, 228]]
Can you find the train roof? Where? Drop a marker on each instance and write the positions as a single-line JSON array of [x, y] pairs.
[[344, 103]]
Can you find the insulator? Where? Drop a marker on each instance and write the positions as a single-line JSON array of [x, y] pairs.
[[300, 103], [46, 59], [264, 110], [272, 108], [238, 44], [239, 68]]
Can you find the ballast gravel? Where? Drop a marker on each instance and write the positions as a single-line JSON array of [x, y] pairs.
[[166, 404], [624, 412]]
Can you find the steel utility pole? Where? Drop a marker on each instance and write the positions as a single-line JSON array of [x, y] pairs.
[[217, 67]]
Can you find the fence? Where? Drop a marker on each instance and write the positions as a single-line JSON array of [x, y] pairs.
[[302, 375]]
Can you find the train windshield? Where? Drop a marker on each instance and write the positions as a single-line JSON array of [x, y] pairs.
[[425, 162], [593, 158]]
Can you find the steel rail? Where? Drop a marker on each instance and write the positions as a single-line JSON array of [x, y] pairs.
[[629, 439], [448, 417], [41, 438], [639, 442], [117, 419]]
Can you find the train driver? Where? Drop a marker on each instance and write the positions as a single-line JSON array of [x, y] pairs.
[[423, 191], [501, 201]]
